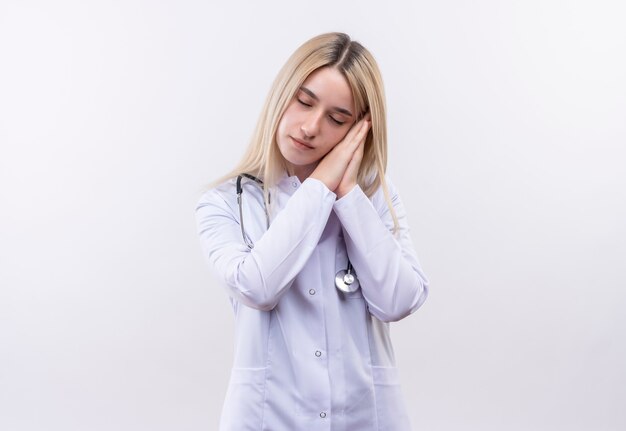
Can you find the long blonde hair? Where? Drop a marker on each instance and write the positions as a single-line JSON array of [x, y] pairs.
[[263, 158]]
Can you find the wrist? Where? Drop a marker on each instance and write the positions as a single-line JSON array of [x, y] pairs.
[[342, 191]]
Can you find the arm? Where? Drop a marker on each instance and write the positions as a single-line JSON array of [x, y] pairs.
[[389, 272], [258, 277]]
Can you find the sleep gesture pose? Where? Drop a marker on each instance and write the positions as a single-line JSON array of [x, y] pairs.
[[309, 239]]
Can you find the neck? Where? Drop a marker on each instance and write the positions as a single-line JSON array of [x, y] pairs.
[[302, 172]]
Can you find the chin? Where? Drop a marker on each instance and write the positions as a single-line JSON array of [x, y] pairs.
[[293, 157]]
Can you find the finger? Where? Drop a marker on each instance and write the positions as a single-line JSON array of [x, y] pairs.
[[361, 148], [352, 143], [357, 157], [358, 141], [354, 130], [365, 127], [352, 139], [357, 124]]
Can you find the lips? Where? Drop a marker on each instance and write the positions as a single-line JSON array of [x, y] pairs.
[[301, 144]]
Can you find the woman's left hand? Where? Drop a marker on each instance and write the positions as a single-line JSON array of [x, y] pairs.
[[349, 180]]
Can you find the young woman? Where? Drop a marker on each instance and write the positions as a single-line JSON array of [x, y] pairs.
[[314, 250]]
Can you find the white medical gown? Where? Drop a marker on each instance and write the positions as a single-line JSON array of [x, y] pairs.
[[307, 356]]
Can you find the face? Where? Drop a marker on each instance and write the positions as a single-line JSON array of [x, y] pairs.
[[317, 119]]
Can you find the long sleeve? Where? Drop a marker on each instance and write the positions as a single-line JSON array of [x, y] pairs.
[[388, 269], [258, 277]]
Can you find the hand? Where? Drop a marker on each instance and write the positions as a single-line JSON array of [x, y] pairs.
[[349, 179], [333, 166]]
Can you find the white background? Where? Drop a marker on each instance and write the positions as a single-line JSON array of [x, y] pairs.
[[507, 134]]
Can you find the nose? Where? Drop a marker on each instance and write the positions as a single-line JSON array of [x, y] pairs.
[[311, 124]]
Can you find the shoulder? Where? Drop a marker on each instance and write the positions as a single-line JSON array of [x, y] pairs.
[[223, 195]]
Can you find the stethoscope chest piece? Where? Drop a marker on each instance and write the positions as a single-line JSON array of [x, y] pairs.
[[346, 280]]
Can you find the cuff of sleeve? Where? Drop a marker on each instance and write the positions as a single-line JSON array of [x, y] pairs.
[[349, 198], [361, 220], [319, 185]]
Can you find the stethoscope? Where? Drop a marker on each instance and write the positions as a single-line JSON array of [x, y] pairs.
[[345, 280]]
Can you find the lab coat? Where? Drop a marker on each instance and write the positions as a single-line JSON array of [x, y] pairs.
[[308, 356]]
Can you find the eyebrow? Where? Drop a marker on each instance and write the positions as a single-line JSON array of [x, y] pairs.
[[340, 110]]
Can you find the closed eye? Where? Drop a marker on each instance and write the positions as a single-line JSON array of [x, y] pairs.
[[337, 122], [303, 103]]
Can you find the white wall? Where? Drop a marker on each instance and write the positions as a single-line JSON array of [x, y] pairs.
[[507, 138]]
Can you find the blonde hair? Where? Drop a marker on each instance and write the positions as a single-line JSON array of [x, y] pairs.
[[263, 158]]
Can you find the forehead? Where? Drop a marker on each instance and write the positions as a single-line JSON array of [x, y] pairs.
[[331, 87]]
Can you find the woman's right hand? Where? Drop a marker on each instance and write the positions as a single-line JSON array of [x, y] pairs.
[[331, 168]]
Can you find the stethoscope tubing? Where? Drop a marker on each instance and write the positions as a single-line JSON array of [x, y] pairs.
[[345, 280], [246, 238]]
